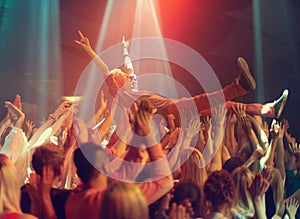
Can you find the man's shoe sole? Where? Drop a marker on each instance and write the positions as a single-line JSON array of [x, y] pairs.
[[284, 97], [246, 73]]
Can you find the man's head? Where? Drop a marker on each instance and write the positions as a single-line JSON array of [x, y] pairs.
[[89, 160], [219, 190], [121, 78], [48, 154]]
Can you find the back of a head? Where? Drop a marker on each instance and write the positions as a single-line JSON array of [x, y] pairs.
[[190, 191], [243, 178], [219, 189], [48, 154], [244, 151], [232, 163], [89, 160], [120, 76], [193, 167], [124, 200], [9, 187], [277, 185]]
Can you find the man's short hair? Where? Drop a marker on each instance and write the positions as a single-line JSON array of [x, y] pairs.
[[89, 160], [48, 154]]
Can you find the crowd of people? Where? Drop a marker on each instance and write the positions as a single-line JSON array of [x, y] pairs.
[[214, 161]]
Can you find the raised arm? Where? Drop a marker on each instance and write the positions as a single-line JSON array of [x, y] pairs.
[[127, 60], [246, 124], [128, 67], [280, 153], [51, 119], [103, 106], [230, 140], [16, 115], [15, 141], [219, 130], [85, 44]]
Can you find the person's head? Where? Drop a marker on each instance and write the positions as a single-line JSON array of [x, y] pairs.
[[9, 187], [243, 180], [219, 190], [89, 160], [277, 187], [244, 152], [48, 154], [160, 206], [193, 168], [188, 190], [232, 163], [123, 200], [122, 79]]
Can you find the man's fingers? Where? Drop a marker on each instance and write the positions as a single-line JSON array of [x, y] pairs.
[[80, 34]]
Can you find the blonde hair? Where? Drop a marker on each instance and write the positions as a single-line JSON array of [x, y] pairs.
[[124, 200], [192, 170], [243, 201], [277, 188], [9, 187]]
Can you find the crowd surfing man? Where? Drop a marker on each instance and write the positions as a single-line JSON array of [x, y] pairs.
[[120, 84]]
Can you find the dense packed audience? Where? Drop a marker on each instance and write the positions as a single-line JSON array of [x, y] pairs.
[[221, 161]]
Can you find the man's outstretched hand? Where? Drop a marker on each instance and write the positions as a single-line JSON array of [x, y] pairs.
[[140, 117], [83, 41]]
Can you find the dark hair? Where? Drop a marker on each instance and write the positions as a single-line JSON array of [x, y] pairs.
[[89, 160], [232, 163], [48, 154], [219, 189], [190, 191]]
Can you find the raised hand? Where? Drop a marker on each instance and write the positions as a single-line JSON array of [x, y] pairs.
[[83, 41], [294, 148], [286, 125], [246, 123], [220, 115], [30, 125], [259, 186], [15, 114], [193, 128], [231, 119], [61, 109], [178, 212], [46, 180], [266, 175], [291, 207], [240, 110], [140, 117], [125, 43], [207, 124], [258, 154], [17, 102]]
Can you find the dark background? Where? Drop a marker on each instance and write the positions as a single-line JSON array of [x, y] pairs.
[[217, 29]]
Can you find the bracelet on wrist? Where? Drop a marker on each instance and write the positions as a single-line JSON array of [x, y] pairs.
[[52, 117]]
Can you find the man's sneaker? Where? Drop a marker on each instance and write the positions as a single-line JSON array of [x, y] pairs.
[[279, 104], [246, 79]]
